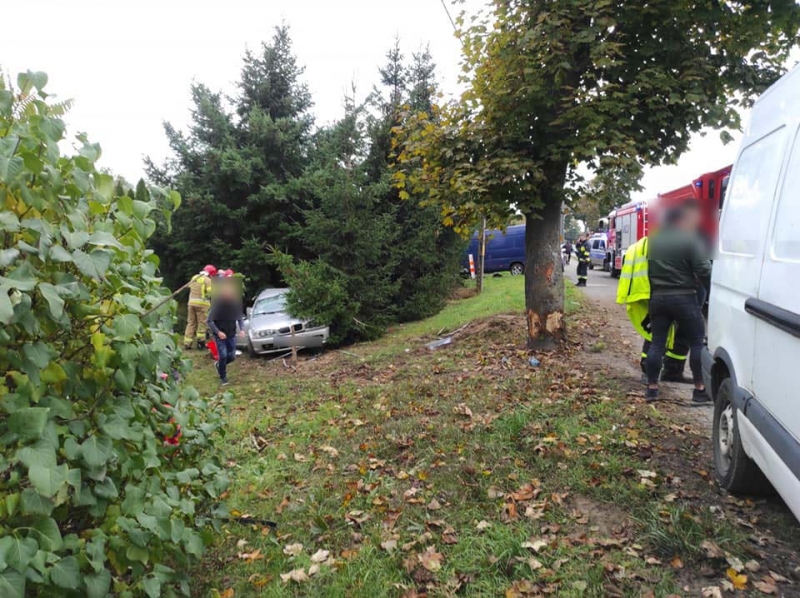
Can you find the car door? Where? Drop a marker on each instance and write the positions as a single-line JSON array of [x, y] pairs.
[[743, 232], [776, 309]]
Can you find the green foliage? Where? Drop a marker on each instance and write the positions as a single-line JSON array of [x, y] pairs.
[[256, 178], [239, 170], [558, 88], [93, 501]]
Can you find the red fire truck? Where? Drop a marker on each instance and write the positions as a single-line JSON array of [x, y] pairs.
[[630, 222]]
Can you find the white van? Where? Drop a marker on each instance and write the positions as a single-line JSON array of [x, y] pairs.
[[752, 364]]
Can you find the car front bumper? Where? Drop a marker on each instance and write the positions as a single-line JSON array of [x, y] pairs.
[[312, 338]]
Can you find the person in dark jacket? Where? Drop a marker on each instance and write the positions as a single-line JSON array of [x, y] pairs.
[[568, 251], [584, 257], [677, 263], [223, 317]]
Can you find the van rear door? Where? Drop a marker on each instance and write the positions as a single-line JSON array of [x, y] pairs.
[[776, 309]]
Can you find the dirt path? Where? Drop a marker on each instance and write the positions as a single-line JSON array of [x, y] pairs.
[[623, 345]]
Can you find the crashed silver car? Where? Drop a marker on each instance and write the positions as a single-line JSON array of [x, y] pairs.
[[269, 328]]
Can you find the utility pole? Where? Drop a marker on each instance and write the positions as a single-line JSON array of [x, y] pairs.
[[482, 254]]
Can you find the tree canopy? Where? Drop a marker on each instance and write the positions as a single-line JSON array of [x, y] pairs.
[[562, 87], [258, 178]]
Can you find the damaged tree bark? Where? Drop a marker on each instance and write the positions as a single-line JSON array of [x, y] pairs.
[[544, 279]]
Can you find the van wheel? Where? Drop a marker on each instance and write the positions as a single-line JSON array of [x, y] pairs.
[[517, 269], [735, 470]]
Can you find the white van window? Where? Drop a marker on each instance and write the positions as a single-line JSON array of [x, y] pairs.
[[747, 207], [786, 234]]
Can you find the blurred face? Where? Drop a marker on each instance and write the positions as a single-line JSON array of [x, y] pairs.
[[690, 220], [227, 289]]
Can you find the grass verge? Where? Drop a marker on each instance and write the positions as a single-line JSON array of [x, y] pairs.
[[394, 470]]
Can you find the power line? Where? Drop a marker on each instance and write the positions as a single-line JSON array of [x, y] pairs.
[[447, 10]]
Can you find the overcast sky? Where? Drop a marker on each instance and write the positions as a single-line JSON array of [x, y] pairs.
[[128, 64]]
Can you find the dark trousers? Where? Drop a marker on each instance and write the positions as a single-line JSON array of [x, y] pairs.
[[227, 353], [583, 270], [684, 311]]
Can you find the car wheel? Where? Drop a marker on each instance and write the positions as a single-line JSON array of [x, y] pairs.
[[251, 350], [606, 266], [735, 470], [517, 269]]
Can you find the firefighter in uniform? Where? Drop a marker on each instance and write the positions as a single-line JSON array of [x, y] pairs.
[[633, 291], [199, 303], [582, 251]]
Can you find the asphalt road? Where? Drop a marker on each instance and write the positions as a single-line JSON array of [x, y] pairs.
[[600, 287]]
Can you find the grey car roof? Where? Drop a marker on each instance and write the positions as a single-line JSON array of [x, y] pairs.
[[271, 293]]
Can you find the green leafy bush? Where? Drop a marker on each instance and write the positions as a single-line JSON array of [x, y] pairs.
[[96, 497]]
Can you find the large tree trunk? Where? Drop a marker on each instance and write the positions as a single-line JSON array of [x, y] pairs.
[[544, 280]]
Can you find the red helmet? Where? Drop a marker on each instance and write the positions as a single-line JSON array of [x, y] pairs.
[[228, 273], [210, 270]]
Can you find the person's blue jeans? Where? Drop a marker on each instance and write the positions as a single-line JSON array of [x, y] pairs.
[[685, 312], [227, 353]]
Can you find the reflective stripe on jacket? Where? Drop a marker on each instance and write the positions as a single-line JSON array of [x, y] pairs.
[[633, 291], [200, 290], [634, 284]]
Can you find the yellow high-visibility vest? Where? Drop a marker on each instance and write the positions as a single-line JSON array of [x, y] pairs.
[[634, 283], [633, 291]]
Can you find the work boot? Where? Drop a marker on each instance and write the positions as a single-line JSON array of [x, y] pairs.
[[651, 395], [673, 371], [700, 398]]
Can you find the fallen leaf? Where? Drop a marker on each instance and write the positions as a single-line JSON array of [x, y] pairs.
[[735, 563], [389, 545], [358, 517], [297, 576], [652, 561], [752, 566], [536, 545], [535, 564], [228, 593], [580, 585], [712, 550], [711, 592], [332, 452], [676, 562], [449, 536], [462, 409], [483, 525], [293, 550], [430, 559], [766, 586], [251, 556], [738, 580], [320, 556], [777, 577], [521, 588], [300, 458], [527, 492], [434, 505]]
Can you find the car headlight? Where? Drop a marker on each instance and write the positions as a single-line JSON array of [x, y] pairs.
[[266, 333]]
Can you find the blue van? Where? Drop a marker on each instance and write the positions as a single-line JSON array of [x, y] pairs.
[[505, 251]]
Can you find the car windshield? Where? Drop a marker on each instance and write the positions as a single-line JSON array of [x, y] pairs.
[[270, 305]]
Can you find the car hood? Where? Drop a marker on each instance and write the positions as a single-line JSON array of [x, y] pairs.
[[271, 321]]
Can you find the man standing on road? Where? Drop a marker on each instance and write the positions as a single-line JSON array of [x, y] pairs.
[[224, 315], [677, 262], [583, 253]]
